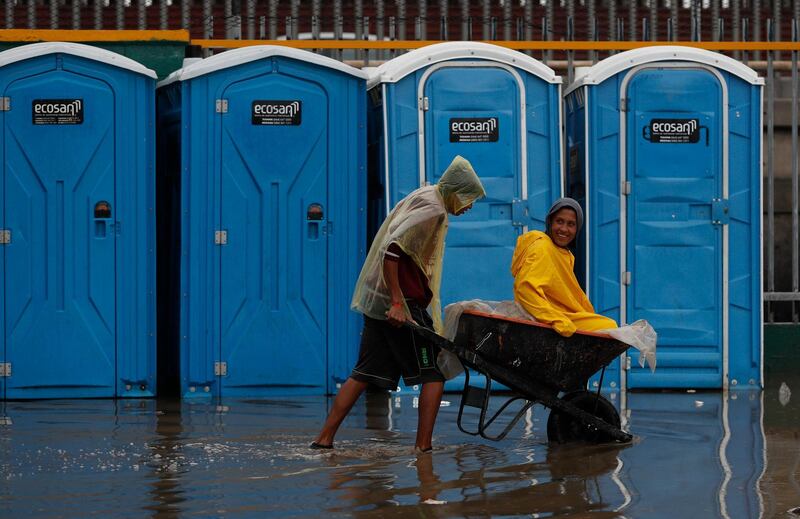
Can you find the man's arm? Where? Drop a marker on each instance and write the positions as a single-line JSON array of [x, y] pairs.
[[397, 311]]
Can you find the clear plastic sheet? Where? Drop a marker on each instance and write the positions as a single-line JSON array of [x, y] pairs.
[[499, 308], [418, 225], [640, 334], [447, 362]]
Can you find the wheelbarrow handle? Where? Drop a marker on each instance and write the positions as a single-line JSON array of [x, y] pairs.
[[430, 335], [415, 327]]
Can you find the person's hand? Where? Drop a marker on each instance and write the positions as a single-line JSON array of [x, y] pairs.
[[397, 315]]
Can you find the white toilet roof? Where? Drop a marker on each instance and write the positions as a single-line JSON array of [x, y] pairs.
[[33, 50], [615, 64]]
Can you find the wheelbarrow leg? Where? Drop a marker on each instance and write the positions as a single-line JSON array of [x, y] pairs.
[[599, 387], [511, 424], [474, 397]]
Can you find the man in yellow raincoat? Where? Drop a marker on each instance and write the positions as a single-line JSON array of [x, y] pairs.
[[399, 280], [544, 279]]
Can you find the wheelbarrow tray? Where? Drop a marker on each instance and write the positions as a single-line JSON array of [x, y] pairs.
[[533, 361], [536, 351]]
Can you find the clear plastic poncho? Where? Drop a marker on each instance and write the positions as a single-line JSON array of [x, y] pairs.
[[418, 225]]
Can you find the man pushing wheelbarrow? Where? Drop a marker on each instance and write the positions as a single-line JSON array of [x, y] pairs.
[[398, 282]]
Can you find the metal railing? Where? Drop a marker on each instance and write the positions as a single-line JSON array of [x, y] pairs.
[[547, 20]]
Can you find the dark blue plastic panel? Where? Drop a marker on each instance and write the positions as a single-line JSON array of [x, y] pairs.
[[273, 302], [674, 248], [473, 91], [745, 303], [274, 268], [480, 242], [78, 292], [575, 167], [59, 283], [604, 230]]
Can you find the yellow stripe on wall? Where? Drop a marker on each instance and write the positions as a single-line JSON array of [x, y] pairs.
[[36, 35]]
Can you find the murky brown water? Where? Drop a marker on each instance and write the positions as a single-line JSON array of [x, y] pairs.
[[695, 455]]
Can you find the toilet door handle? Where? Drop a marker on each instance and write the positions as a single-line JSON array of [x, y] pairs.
[[102, 215], [315, 216]]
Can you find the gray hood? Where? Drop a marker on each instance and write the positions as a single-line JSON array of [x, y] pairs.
[[561, 203]]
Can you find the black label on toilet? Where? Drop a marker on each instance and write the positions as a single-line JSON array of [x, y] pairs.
[[674, 131], [474, 129], [276, 113], [57, 111]]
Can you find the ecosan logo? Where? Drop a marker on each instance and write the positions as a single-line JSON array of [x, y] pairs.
[[287, 112], [71, 107], [481, 126], [277, 108], [684, 127]]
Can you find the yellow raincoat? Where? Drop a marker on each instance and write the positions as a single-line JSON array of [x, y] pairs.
[[545, 285]]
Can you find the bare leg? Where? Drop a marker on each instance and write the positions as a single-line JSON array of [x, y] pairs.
[[347, 396], [429, 482], [430, 398]]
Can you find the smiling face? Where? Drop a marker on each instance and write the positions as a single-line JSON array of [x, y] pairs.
[[563, 227]]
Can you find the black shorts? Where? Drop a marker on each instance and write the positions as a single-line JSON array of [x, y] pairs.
[[387, 352]]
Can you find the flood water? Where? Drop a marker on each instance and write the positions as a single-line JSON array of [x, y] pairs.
[[703, 454]]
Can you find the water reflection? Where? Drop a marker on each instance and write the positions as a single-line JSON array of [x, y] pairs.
[[165, 462], [780, 483], [706, 447], [378, 410], [694, 455], [569, 482]]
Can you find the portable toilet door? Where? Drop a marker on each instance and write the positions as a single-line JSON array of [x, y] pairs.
[[672, 180], [78, 242], [273, 220], [501, 110]]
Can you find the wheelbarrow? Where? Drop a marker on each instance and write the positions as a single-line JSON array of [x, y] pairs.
[[539, 366]]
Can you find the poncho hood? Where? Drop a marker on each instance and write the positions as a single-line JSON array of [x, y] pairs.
[[460, 185], [569, 203], [524, 243]]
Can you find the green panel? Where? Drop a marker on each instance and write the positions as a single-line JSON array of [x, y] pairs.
[[781, 348], [781, 365], [161, 56]]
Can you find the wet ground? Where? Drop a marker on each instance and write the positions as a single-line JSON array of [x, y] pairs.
[[694, 455]]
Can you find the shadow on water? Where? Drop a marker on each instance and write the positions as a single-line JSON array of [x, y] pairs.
[[486, 485], [694, 455], [166, 493]]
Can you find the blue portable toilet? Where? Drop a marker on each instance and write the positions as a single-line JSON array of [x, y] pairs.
[[498, 108], [665, 154], [262, 151], [78, 230]]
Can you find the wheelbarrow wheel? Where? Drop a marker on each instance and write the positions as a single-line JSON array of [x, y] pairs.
[[563, 427]]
